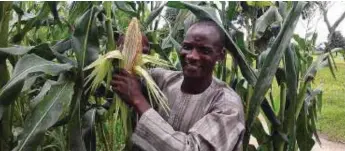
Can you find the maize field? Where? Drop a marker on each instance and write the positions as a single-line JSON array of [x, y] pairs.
[[57, 60]]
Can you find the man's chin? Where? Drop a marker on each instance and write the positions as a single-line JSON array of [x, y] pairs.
[[189, 74]]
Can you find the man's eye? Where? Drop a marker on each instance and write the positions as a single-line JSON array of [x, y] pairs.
[[186, 47], [205, 50]]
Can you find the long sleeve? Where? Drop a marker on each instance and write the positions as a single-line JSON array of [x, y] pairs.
[[220, 130]]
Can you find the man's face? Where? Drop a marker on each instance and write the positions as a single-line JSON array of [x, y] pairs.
[[200, 51]]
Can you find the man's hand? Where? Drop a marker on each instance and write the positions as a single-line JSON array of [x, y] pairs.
[[128, 88]]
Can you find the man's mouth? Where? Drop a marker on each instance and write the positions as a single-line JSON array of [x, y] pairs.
[[191, 66]]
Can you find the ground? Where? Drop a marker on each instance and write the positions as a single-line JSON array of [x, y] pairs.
[[331, 120], [327, 145]]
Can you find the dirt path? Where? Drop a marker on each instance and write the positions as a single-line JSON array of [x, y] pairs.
[[327, 145]]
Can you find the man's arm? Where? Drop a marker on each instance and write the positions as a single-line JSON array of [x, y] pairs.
[[220, 130]]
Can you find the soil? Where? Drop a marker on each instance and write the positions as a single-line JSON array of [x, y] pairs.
[[327, 145]]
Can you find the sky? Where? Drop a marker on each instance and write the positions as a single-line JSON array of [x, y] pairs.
[[318, 24]]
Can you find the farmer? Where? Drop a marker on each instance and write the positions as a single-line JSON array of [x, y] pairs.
[[205, 114]]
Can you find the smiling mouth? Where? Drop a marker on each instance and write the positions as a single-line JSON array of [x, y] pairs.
[[191, 67]]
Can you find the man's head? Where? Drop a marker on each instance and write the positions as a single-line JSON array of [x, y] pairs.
[[202, 47]]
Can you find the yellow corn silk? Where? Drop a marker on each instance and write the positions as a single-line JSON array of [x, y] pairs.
[[131, 59]]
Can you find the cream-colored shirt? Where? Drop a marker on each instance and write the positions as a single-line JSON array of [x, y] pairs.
[[210, 121]]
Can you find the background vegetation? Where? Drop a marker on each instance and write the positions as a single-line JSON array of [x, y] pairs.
[[330, 121], [45, 46]]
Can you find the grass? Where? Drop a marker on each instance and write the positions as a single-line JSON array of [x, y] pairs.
[[331, 121]]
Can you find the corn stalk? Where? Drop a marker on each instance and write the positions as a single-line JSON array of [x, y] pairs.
[[6, 122]]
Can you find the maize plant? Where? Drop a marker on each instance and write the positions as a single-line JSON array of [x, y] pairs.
[[259, 58], [131, 59], [55, 57]]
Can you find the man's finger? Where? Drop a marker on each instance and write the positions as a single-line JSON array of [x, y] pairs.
[[125, 73], [119, 78], [116, 83]]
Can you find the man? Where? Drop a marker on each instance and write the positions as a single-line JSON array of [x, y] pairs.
[[205, 114]]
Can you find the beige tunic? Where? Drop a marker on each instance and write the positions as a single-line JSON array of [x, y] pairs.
[[210, 121]]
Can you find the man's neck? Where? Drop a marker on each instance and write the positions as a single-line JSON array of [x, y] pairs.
[[195, 85]]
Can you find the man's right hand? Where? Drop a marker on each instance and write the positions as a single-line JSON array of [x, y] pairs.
[[128, 88]]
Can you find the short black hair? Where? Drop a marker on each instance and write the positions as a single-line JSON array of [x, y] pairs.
[[211, 23]]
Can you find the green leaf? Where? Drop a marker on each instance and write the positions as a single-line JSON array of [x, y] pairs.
[[59, 50], [53, 9], [63, 46], [272, 62], [268, 18], [170, 41], [85, 38], [86, 47], [42, 15], [312, 95], [240, 41], [77, 9], [122, 5], [292, 86], [178, 24], [301, 42], [30, 81], [259, 132], [283, 9], [25, 66], [260, 3], [318, 64], [331, 66], [43, 50], [153, 15], [291, 93], [44, 115], [319, 101], [231, 10], [39, 97], [17, 50], [17, 9], [89, 130], [269, 113], [304, 134]]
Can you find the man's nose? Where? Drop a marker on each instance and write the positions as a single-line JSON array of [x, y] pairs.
[[193, 55]]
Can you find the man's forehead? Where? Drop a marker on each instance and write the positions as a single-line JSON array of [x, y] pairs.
[[202, 27], [205, 32]]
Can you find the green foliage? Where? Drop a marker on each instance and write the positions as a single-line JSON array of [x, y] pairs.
[[27, 65], [330, 121], [50, 43], [45, 114]]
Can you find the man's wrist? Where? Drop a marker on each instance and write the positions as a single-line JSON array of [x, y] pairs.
[[141, 105]]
